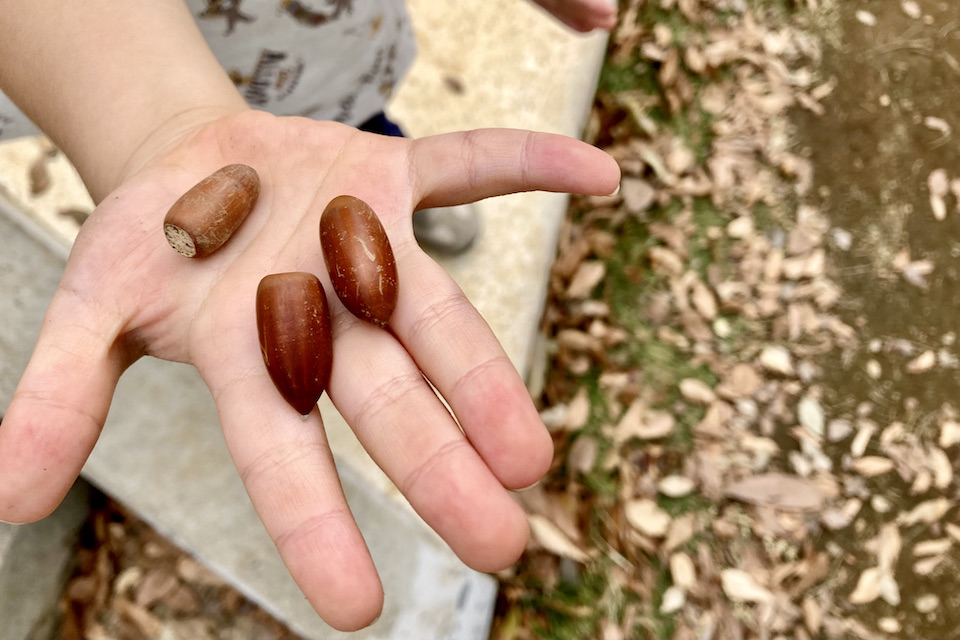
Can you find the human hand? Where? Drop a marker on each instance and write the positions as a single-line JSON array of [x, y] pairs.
[[125, 293], [582, 15]]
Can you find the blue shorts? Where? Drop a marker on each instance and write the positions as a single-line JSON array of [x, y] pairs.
[[380, 124]]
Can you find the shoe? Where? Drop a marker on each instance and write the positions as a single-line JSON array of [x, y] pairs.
[[448, 231]]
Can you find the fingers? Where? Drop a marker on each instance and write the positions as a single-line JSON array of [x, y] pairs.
[[288, 470], [458, 352], [583, 15], [412, 437], [58, 409], [467, 166]]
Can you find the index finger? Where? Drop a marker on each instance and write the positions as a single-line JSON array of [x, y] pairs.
[[467, 166]]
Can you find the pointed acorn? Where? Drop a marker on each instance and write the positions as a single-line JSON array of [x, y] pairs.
[[293, 321], [359, 259], [205, 217]]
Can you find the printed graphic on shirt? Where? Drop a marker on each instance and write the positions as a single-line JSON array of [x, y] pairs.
[[274, 78], [382, 74], [325, 59], [305, 15], [228, 9]]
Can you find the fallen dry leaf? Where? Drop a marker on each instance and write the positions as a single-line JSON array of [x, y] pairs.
[[740, 586], [703, 300], [942, 468], [927, 565], [888, 546], [676, 486], [839, 518], [927, 603], [697, 391], [870, 466], [743, 381], [810, 415], [682, 529], [868, 587], [865, 432], [645, 424], [932, 547], [582, 455], [777, 490], [866, 18], [928, 512], [912, 9], [554, 540], [890, 589], [683, 571], [578, 411], [637, 194], [587, 276], [666, 261], [923, 362], [646, 517], [39, 176], [938, 183], [673, 600], [157, 584], [777, 359], [949, 434]]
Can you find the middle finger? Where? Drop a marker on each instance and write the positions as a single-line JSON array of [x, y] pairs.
[[409, 433]]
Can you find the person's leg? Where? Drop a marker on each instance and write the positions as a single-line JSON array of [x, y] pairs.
[[444, 230], [382, 125]]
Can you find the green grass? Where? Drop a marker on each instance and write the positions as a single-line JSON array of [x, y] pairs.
[[660, 625], [629, 86], [570, 611]]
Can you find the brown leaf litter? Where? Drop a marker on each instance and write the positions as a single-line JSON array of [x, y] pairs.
[[130, 582], [711, 491]]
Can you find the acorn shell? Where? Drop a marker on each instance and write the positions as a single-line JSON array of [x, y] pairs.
[[359, 259], [293, 322], [205, 217]]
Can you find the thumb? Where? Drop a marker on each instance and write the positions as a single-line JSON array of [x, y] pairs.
[[58, 408]]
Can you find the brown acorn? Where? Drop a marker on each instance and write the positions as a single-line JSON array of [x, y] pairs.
[[205, 217], [296, 341], [359, 259]]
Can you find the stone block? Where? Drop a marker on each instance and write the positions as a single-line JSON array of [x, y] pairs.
[[34, 562]]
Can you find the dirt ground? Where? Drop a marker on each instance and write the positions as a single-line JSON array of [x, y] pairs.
[[891, 121]]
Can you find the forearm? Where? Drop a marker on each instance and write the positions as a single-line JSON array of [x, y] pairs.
[[110, 81]]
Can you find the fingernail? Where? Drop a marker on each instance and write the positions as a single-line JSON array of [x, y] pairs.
[[615, 191], [528, 487]]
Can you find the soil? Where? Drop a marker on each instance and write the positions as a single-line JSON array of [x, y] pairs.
[[873, 154], [873, 151]]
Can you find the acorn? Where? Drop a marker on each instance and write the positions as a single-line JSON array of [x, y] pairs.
[[359, 258], [205, 217], [293, 322]]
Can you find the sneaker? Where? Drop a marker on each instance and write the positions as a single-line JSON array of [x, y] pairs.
[[447, 230]]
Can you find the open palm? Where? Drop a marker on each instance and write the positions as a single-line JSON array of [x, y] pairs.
[[125, 293]]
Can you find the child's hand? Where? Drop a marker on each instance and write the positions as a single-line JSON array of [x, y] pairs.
[[125, 293], [583, 15]]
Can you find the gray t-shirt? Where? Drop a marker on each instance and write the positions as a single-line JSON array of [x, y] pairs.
[[324, 59]]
